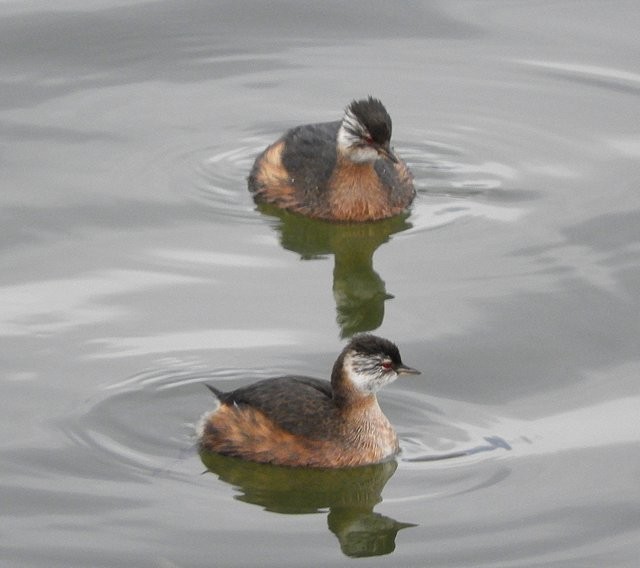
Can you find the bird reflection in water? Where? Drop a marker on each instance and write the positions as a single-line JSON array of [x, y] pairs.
[[358, 290], [350, 495]]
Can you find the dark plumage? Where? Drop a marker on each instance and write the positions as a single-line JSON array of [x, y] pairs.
[[371, 113], [342, 171], [297, 420]]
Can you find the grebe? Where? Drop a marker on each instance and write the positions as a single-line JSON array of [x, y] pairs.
[[338, 171], [302, 421]]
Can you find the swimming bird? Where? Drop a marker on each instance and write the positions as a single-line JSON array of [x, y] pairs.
[[339, 171], [303, 421]]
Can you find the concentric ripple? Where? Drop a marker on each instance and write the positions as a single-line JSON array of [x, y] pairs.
[[449, 183], [145, 425], [217, 179]]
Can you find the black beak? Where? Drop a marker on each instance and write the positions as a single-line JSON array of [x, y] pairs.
[[404, 370]]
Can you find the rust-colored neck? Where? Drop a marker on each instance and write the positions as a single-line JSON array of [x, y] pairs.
[[356, 192]]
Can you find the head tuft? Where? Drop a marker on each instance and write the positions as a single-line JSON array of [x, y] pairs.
[[368, 344], [365, 132], [373, 117]]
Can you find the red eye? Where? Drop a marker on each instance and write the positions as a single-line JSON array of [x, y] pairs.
[[386, 365]]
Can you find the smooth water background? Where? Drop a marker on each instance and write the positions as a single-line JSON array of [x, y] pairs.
[[135, 267]]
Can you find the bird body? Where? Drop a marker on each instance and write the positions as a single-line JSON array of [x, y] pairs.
[[303, 421], [341, 171]]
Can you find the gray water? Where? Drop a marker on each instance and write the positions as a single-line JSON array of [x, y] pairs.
[[136, 267]]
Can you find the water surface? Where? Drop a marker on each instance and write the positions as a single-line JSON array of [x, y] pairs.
[[136, 267]]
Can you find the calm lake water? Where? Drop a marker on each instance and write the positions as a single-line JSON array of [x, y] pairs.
[[136, 267]]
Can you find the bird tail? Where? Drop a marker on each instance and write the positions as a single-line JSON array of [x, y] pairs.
[[216, 392]]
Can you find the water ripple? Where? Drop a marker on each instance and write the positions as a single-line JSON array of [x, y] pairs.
[[216, 178], [449, 184], [611, 78], [145, 424]]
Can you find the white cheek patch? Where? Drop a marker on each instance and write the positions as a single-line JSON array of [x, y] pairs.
[[363, 154], [346, 139], [350, 123], [350, 144], [366, 374]]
